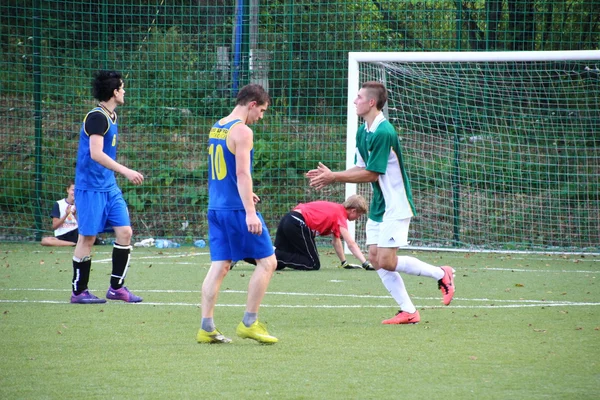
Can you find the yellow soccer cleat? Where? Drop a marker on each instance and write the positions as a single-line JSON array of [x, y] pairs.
[[211, 337], [256, 331]]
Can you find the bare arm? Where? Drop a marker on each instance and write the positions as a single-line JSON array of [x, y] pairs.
[[96, 147], [339, 248], [57, 222], [352, 246], [323, 176], [241, 142]]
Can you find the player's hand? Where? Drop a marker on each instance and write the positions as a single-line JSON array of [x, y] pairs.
[[133, 176], [345, 265], [255, 198], [312, 173], [320, 177], [254, 224]]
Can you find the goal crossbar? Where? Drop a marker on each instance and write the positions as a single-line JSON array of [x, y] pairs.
[[354, 58]]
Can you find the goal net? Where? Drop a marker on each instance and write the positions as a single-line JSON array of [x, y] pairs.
[[502, 149]]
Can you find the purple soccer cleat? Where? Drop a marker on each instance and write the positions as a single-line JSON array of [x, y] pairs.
[[86, 297], [122, 294]]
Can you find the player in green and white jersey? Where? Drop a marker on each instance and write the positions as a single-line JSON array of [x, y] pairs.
[[378, 160]]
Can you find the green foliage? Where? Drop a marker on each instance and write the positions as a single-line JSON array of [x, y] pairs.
[[176, 90]]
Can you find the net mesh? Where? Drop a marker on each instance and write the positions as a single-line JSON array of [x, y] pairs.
[[500, 155], [183, 60]]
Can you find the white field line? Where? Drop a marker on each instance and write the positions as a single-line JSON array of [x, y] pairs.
[[324, 306], [507, 256], [574, 258], [533, 270], [493, 303], [300, 294], [458, 268], [156, 257]]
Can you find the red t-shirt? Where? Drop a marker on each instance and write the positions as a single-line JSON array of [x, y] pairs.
[[324, 217]]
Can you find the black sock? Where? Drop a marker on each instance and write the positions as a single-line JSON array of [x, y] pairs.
[[120, 264], [81, 274]]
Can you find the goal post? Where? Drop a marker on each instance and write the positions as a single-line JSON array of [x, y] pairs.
[[502, 148]]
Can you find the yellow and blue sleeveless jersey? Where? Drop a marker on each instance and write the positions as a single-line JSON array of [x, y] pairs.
[[89, 174], [222, 179]]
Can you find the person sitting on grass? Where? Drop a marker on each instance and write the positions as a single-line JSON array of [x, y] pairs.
[[64, 221]]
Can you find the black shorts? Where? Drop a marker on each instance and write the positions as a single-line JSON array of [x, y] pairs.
[[70, 236]]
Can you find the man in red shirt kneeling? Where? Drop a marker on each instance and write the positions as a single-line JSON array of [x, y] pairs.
[[295, 245]]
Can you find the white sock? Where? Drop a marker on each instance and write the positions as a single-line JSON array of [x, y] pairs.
[[394, 283], [414, 266]]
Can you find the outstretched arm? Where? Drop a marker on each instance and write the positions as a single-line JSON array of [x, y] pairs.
[[323, 176], [339, 248], [352, 246]]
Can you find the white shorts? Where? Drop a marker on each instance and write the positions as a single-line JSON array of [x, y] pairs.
[[392, 233]]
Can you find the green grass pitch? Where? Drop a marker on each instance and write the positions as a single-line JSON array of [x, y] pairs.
[[521, 326]]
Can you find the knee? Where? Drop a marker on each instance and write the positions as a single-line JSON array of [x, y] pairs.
[[269, 263], [316, 265], [123, 235]]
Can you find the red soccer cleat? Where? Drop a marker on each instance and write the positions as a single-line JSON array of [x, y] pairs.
[[403, 317], [446, 284]]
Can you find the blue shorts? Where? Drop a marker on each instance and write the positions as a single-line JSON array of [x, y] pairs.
[[230, 239], [99, 211]]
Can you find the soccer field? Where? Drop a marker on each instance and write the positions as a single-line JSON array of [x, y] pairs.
[[521, 326]]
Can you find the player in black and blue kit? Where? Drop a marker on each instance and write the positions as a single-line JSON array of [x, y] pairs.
[[236, 229], [99, 201]]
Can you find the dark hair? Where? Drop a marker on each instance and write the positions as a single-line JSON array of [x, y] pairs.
[[376, 91], [105, 83], [252, 92]]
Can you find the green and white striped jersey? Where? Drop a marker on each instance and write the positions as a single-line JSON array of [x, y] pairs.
[[378, 149]]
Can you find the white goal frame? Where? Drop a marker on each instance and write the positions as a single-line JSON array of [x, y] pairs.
[[354, 58]]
